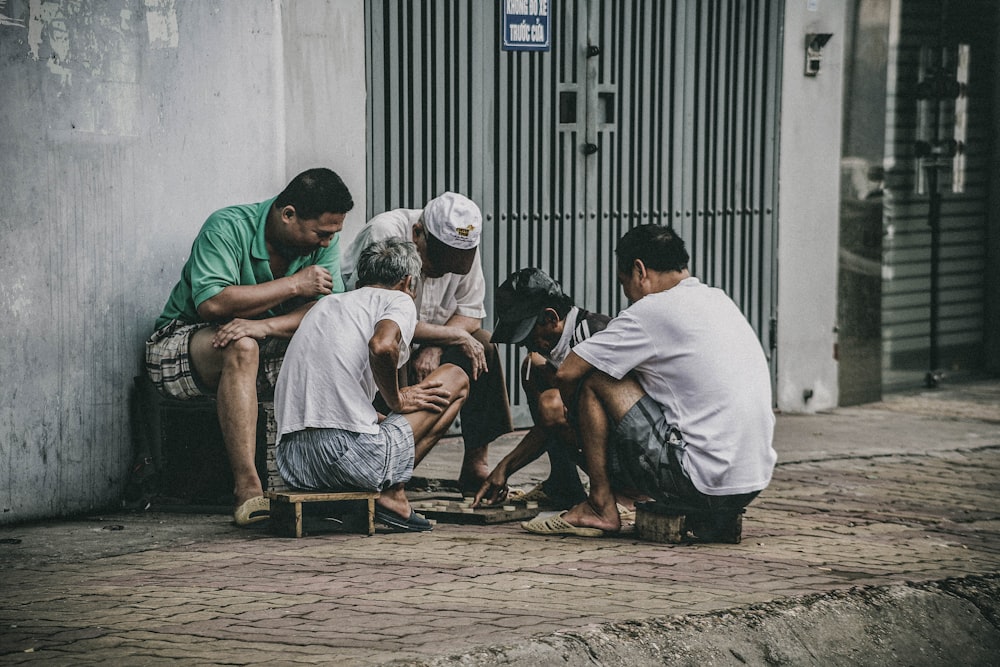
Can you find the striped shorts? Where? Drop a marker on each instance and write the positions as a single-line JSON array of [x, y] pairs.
[[168, 362], [331, 458]]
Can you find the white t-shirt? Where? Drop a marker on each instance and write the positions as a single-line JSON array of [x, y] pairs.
[[326, 380], [437, 298], [695, 354]]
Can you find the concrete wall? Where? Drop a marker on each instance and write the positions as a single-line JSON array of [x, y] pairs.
[[808, 209], [123, 124]]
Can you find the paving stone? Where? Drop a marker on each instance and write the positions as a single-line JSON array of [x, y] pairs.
[[828, 523]]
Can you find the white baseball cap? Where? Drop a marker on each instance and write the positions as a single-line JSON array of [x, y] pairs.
[[455, 220]]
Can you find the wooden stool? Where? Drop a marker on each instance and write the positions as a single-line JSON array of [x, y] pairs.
[[286, 507], [675, 523]]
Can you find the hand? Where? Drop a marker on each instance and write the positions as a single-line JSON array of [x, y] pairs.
[[426, 361], [239, 328], [313, 281], [494, 490], [428, 395], [476, 353]]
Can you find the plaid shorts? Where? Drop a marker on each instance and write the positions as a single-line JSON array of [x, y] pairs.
[[168, 362]]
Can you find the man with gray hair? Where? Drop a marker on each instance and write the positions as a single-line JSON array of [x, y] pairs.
[[347, 347], [450, 311]]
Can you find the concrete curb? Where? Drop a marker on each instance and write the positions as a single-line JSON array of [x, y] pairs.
[[948, 622]]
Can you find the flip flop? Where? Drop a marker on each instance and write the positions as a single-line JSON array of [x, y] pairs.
[[256, 509], [557, 525], [625, 514], [413, 523], [627, 518]]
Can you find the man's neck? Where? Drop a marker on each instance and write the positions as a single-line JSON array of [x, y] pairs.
[[661, 281]]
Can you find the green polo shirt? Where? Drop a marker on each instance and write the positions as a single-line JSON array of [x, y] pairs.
[[231, 250]]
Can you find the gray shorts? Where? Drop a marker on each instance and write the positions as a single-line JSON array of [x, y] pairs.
[[645, 454], [168, 362], [334, 459]]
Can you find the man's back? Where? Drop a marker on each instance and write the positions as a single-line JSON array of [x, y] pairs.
[[326, 379]]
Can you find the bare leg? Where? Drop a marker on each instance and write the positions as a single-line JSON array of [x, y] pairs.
[[602, 403], [485, 417], [232, 371], [394, 499], [428, 427]]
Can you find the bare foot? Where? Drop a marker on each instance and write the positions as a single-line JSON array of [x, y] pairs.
[[475, 469], [245, 493], [395, 501], [589, 515]]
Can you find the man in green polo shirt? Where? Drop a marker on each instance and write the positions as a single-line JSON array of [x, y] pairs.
[[253, 272]]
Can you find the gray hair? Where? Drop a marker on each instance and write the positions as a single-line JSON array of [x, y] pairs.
[[387, 262]]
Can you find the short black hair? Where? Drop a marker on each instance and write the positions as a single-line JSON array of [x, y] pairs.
[[315, 192], [658, 246], [562, 304]]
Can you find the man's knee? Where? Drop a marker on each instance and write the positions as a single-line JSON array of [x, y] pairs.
[[489, 348], [243, 347], [454, 379], [242, 354], [551, 411], [616, 396]]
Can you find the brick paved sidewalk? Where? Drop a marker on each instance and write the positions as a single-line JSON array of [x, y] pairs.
[[218, 595]]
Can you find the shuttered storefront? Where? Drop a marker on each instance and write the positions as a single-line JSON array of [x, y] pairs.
[[908, 286]]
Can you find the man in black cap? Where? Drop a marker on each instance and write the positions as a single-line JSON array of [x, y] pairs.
[[532, 310]]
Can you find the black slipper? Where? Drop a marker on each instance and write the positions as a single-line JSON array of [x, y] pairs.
[[414, 523]]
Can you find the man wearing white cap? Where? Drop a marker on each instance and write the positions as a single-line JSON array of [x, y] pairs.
[[450, 311]]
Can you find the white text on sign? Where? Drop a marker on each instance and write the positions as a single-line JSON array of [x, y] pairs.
[[528, 7]]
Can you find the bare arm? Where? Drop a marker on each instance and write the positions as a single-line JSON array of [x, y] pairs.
[[569, 376], [383, 355], [452, 332], [282, 326], [252, 300], [456, 332], [494, 489]]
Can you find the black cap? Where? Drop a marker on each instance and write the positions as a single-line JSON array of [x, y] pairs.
[[519, 301]]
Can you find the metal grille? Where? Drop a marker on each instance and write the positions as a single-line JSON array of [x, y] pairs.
[[670, 116], [906, 286]]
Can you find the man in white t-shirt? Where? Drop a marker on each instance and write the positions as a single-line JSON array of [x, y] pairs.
[[450, 311], [348, 346], [672, 400]]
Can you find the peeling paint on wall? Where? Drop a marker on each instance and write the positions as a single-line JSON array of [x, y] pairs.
[[8, 20], [47, 21], [16, 302], [161, 23]]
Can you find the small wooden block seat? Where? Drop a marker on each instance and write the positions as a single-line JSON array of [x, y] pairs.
[[676, 523], [286, 507]]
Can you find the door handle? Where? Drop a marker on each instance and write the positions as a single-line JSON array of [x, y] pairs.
[[589, 149]]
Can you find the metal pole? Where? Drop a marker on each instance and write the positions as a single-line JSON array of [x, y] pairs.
[[934, 220]]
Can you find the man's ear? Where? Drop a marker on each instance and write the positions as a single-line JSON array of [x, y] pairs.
[[288, 213], [418, 230], [640, 267], [550, 316], [407, 285]]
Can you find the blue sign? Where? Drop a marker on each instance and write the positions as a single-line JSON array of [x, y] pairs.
[[525, 25]]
